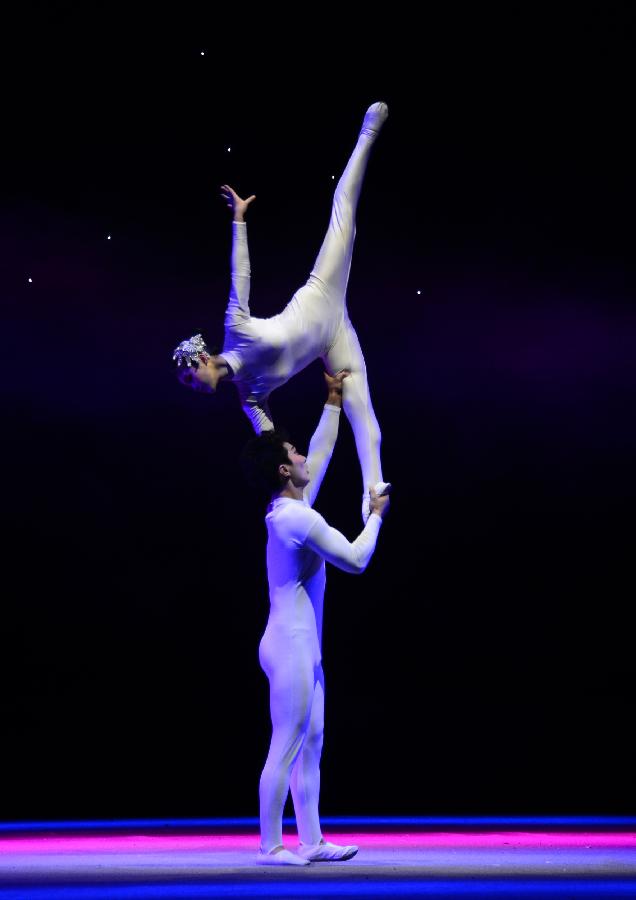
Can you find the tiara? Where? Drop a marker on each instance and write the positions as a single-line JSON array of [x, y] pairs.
[[188, 351]]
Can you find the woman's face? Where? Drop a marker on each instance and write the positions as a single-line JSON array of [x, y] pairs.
[[197, 378]]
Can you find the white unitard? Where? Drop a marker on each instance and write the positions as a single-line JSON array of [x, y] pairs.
[[265, 353], [299, 541]]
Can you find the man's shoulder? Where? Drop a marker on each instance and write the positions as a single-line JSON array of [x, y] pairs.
[[293, 510], [294, 519]]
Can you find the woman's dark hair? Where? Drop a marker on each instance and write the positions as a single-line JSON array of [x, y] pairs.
[[261, 458]]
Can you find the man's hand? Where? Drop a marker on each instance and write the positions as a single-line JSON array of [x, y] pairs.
[[334, 387], [236, 203], [379, 505]]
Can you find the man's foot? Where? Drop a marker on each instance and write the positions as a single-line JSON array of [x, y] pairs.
[[280, 857], [375, 117], [381, 488], [326, 852]]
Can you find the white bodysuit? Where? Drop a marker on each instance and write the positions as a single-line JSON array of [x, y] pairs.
[[265, 353], [299, 542]]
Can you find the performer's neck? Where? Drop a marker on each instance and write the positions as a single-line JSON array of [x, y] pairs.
[[290, 490]]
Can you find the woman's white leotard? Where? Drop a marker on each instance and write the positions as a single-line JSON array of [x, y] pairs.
[[265, 353]]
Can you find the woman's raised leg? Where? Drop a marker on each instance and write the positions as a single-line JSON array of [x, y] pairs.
[[323, 296]]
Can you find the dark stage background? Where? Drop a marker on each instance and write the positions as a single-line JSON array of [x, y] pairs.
[[484, 662]]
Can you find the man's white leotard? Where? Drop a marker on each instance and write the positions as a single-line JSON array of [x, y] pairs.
[[299, 542]]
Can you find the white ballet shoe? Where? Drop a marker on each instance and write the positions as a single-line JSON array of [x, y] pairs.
[[374, 118], [280, 858], [326, 852], [381, 488]]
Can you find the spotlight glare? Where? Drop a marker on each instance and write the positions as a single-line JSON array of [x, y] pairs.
[[203, 53], [30, 280], [228, 149], [419, 292], [107, 237]]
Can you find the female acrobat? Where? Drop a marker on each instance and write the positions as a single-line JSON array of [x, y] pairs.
[[260, 355]]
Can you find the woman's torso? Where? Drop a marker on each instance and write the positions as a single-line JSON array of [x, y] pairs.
[[274, 350]]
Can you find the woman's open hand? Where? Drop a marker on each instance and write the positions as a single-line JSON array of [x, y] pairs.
[[236, 203]]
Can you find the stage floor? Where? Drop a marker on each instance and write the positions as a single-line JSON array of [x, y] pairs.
[[479, 864]]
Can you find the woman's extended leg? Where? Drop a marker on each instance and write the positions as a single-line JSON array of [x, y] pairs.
[[333, 262], [322, 298], [326, 290]]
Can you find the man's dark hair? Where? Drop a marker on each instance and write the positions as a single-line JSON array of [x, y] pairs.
[[261, 458]]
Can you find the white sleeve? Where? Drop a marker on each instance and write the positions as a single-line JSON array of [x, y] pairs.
[[336, 549], [257, 411], [238, 308], [320, 450]]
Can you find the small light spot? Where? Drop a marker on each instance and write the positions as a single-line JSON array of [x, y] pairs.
[[203, 53], [333, 177], [30, 280], [107, 237], [228, 149], [419, 292]]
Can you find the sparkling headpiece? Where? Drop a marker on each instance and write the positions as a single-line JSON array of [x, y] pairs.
[[187, 352]]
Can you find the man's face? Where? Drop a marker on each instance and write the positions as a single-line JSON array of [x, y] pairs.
[[297, 466]]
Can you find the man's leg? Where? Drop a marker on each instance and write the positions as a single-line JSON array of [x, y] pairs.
[[305, 786], [291, 698], [305, 779]]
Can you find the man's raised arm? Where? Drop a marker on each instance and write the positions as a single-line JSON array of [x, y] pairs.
[[324, 437]]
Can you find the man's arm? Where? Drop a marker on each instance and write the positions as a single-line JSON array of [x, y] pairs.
[[238, 308], [324, 437], [333, 546]]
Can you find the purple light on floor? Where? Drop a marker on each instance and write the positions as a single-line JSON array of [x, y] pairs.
[[231, 842]]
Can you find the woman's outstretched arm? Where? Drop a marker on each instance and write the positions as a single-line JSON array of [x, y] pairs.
[[238, 308]]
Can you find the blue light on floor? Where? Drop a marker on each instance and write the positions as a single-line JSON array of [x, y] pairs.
[[333, 821], [505, 889]]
